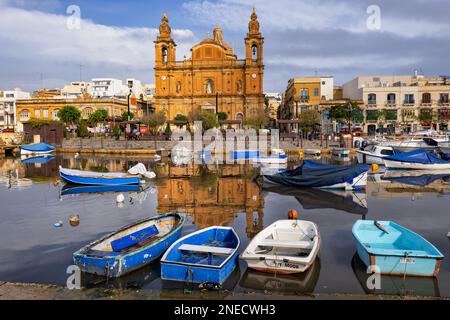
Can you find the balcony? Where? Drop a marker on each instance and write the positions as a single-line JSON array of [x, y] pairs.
[[444, 103], [372, 102], [409, 103], [391, 103], [426, 103]]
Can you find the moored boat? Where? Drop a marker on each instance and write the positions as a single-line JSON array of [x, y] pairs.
[[395, 250], [285, 247], [133, 176], [318, 175], [130, 248], [374, 154], [208, 255], [37, 159], [36, 149], [419, 159], [277, 157], [70, 189]]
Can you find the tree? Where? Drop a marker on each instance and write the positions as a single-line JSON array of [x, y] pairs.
[[181, 118], [222, 116], [125, 116], [309, 119], [346, 113], [208, 119], [155, 121], [82, 129], [98, 116], [256, 121], [69, 115]]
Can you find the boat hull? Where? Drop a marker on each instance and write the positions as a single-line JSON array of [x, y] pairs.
[[97, 181], [37, 149], [120, 265], [366, 157], [391, 164]]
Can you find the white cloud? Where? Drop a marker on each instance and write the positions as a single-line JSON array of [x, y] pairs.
[[41, 42]]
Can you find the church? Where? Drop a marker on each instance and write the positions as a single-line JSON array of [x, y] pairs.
[[213, 78]]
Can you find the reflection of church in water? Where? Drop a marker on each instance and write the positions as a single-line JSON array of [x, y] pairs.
[[213, 196]]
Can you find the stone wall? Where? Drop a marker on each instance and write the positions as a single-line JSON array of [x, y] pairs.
[[112, 144]]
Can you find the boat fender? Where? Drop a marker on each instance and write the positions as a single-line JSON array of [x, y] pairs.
[[293, 214], [59, 224], [120, 198], [74, 220]]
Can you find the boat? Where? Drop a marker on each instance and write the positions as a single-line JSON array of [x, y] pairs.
[[428, 139], [208, 255], [285, 247], [277, 157], [245, 155], [70, 189], [295, 284], [374, 154], [38, 148], [395, 250], [313, 152], [395, 286], [312, 199], [41, 159], [133, 176], [419, 159], [341, 152], [318, 175], [131, 248]]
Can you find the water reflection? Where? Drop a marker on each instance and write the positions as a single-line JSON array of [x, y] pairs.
[[396, 285], [299, 284]]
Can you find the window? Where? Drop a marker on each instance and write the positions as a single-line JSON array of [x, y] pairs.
[[391, 98], [426, 97], [316, 92], [443, 98], [372, 98], [164, 55], [304, 94], [55, 115], [387, 152], [46, 113], [254, 52], [409, 98], [37, 113], [24, 115], [87, 112]]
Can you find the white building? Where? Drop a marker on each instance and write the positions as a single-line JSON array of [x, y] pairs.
[[8, 107], [108, 87], [327, 88], [149, 91], [137, 87], [77, 89]]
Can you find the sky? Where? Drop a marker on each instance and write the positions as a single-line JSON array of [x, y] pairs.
[[44, 45]]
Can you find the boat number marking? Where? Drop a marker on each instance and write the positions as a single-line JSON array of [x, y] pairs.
[[407, 260]]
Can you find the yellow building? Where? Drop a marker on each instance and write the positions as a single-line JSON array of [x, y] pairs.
[[47, 109], [212, 74]]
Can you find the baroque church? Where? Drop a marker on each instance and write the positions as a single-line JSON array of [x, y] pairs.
[[213, 78]]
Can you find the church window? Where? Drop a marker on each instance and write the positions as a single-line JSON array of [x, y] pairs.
[[254, 52], [164, 55]]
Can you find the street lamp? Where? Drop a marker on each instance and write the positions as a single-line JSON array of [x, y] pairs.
[[130, 86], [350, 112]]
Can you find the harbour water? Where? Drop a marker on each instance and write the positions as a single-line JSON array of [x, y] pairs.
[[33, 250]]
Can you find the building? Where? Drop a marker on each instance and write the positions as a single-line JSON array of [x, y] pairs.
[[136, 87], [8, 100], [273, 102], [108, 88], [306, 93], [212, 78], [47, 109], [403, 103], [47, 93], [77, 89]]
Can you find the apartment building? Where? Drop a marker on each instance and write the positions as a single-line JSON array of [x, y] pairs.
[[8, 101]]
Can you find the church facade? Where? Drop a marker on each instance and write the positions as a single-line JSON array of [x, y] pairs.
[[213, 78]]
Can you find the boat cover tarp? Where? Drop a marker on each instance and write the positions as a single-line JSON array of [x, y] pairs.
[[420, 181], [420, 156], [38, 147], [316, 175]]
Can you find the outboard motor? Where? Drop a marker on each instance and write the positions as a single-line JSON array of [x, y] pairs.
[[364, 144]]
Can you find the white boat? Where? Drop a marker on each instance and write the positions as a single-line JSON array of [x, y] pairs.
[[419, 140], [285, 247], [419, 159], [415, 166], [341, 152], [278, 157], [374, 154], [36, 149], [313, 152]]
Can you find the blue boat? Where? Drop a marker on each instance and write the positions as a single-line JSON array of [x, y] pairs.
[[38, 148], [98, 178], [208, 255], [38, 159], [318, 175], [130, 248], [419, 159], [395, 250], [70, 189]]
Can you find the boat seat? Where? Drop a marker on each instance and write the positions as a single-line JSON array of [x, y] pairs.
[[286, 244], [206, 249], [134, 238]]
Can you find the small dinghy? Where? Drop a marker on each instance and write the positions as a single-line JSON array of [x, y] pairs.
[[375, 154], [38, 148], [286, 247], [134, 176], [419, 159], [130, 248], [395, 250], [318, 175], [208, 255]]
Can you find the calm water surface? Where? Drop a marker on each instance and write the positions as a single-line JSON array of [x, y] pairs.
[[33, 250]]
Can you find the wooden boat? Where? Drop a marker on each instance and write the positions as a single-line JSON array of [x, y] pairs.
[[395, 250], [286, 247], [208, 255], [318, 175], [374, 154], [38, 148], [419, 159], [134, 176], [130, 248]]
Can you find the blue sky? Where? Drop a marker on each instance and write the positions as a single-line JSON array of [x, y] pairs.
[[302, 37]]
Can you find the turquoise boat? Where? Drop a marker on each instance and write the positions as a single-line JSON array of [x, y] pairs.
[[395, 250]]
